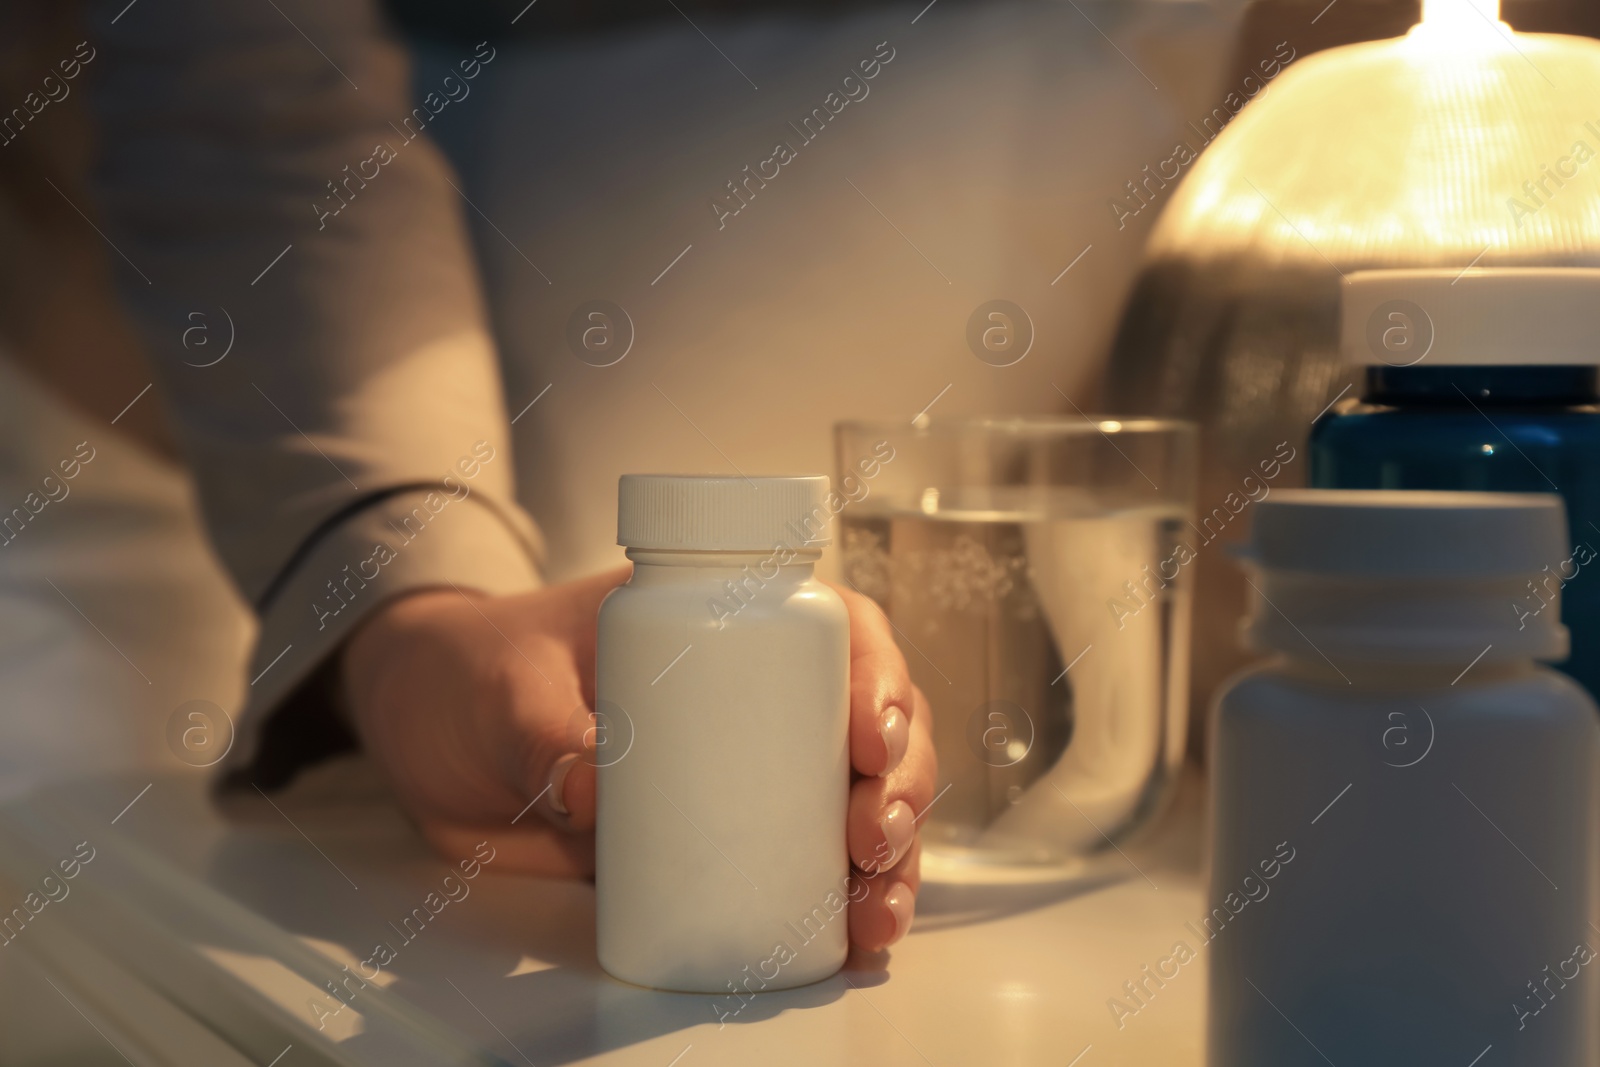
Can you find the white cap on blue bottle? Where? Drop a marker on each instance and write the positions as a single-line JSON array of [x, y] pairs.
[[1503, 316]]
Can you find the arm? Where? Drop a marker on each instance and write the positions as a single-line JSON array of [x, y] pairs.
[[353, 444], [362, 380]]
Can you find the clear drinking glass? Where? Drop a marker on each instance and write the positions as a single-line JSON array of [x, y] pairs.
[[1037, 575]]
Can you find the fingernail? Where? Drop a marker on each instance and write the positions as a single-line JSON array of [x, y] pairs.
[[899, 825], [558, 782], [902, 904], [896, 734]]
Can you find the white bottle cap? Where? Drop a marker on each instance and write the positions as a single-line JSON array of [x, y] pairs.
[[713, 513], [1517, 316], [1392, 576]]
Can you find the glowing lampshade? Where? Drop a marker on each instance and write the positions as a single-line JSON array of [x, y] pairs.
[[1461, 143], [1425, 149]]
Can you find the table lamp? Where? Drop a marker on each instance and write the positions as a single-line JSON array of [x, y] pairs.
[[1460, 144]]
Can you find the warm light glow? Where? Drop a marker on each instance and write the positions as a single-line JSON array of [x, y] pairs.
[[1461, 142], [1461, 20], [1439, 12]]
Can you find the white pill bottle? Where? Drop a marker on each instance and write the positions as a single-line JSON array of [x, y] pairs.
[[723, 698], [1404, 804]]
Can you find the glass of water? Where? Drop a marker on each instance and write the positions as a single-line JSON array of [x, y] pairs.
[[1037, 572]]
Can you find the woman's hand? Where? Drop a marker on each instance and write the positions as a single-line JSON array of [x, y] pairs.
[[478, 709]]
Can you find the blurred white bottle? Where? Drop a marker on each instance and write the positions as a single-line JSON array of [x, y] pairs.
[[723, 701], [1404, 804]]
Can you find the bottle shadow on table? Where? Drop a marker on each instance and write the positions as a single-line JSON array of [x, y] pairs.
[[947, 905], [515, 952]]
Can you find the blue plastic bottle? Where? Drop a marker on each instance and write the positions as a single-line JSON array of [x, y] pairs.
[[1486, 381]]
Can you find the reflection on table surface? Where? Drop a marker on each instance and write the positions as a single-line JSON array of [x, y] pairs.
[[318, 922]]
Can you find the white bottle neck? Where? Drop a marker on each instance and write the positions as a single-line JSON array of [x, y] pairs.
[[656, 564], [1403, 621], [1363, 674]]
